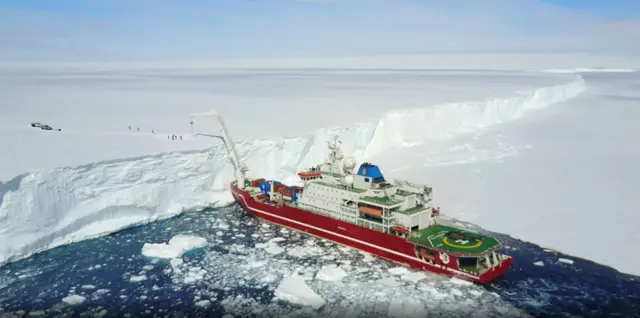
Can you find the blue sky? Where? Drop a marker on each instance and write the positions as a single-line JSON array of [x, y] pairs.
[[140, 30]]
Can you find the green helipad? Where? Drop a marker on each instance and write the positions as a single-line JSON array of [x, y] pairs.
[[454, 240]]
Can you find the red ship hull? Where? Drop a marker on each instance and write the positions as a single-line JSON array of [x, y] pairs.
[[391, 247]]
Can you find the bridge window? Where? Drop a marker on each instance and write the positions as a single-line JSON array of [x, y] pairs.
[[366, 179]]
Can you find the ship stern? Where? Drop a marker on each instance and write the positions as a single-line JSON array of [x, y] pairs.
[[497, 270]]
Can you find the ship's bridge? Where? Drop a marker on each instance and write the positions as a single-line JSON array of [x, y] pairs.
[[371, 173]]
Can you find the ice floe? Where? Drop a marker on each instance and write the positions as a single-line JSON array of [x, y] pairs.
[[331, 273], [294, 289], [74, 299], [177, 246]]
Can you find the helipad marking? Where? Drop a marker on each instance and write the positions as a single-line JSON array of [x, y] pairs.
[[446, 241]]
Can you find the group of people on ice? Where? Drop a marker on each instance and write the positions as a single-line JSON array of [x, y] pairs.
[[172, 137]]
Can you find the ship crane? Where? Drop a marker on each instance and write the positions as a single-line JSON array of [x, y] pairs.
[[240, 169]]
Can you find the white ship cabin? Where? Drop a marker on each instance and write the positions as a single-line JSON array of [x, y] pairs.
[[365, 197]]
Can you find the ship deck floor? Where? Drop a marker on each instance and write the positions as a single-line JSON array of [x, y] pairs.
[[472, 268], [436, 236]]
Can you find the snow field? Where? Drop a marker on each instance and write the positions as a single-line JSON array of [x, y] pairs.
[[45, 209]]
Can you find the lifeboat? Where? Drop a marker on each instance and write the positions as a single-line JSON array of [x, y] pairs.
[[310, 174], [371, 211], [400, 229]]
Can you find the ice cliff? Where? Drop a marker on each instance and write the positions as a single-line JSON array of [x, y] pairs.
[[45, 209]]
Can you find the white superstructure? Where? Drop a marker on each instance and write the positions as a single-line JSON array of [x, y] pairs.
[[363, 197], [333, 189]]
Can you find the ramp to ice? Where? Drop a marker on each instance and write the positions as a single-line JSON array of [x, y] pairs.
[[45, 209]]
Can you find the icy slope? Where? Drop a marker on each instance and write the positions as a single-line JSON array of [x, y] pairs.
[[45, 209]]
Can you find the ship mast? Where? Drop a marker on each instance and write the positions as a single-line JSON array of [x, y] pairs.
[[335, 155], [240, 169]]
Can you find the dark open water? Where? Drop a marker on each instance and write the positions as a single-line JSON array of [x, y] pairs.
[[240, 279]]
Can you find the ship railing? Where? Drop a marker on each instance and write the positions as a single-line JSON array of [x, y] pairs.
[[348, 218], [338, 215], [372, 225], [348, 209]]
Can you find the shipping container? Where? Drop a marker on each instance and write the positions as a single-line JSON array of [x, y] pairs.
[[265, 186], [256, 182]]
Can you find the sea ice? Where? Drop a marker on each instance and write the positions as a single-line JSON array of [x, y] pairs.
[[331, 273], [367, 257], [74, 299], [36, 313], [139, 278], [177, 246], [194, 274], [203, 303], [294, 290], [398, 270], [459, 281], [402, 306], [157, 186], [274, 249], [413, 276]]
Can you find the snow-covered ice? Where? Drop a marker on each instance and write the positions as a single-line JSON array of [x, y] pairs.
[[552, 157], [315, 273], [398, 271], [91, 191], [96, 198], [36, 313], [74, 299], [331, 273], [459, 281], [137, 278], [294, 289], [402, 306], [203, 303], [274, 249], [177, 246]]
